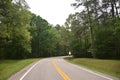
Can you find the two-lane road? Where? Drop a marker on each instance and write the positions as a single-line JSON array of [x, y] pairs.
[[58, 69]]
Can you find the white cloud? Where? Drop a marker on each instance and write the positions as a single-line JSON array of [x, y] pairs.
[[54, 11]]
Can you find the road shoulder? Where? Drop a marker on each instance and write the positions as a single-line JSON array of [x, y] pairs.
[[91, 71], [20, 73]]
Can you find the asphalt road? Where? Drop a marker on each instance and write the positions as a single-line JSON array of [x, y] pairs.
[[58, 69]]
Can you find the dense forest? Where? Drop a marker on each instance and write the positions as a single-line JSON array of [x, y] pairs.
[[25, 35], [96, 29], [93, 32]]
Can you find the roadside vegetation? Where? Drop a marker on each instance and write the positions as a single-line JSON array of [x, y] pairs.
[[9, 67], [93, 32], [111, 67]]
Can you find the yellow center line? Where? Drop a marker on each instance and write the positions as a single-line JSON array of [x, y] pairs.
[[64, 76]]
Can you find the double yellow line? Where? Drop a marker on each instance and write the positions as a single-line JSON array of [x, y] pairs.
[[64, 76]]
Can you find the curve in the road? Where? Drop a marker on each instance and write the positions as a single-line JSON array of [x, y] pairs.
[[58, 69]]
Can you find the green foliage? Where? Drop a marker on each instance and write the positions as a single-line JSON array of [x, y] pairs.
[[79, 41], [44, 38], [23, 34], [95, 30], [14, 34], [64, 42], [107, 42], [78, 49]]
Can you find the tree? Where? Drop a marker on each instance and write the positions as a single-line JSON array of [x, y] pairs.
[[44, 37], [79, 43], [89, 5], [99, 18], [15, 23]]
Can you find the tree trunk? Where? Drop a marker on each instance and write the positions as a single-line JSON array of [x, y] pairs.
[[91, 32]]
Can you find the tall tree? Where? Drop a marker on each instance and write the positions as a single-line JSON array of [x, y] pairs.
[[16, 23], [100, 17], [89, 5]]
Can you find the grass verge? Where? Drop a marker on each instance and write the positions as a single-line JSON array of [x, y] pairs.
[[111, 67], [9, 67]]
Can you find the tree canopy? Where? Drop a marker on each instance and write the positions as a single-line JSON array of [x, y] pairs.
[[95, 29], [93, 32]]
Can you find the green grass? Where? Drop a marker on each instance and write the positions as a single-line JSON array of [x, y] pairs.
[[111, 67], [9, 67]]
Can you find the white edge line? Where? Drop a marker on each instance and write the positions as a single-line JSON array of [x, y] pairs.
[[28, 71], [90, 71]]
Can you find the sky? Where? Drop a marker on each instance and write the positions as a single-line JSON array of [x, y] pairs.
[[54, 11]]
